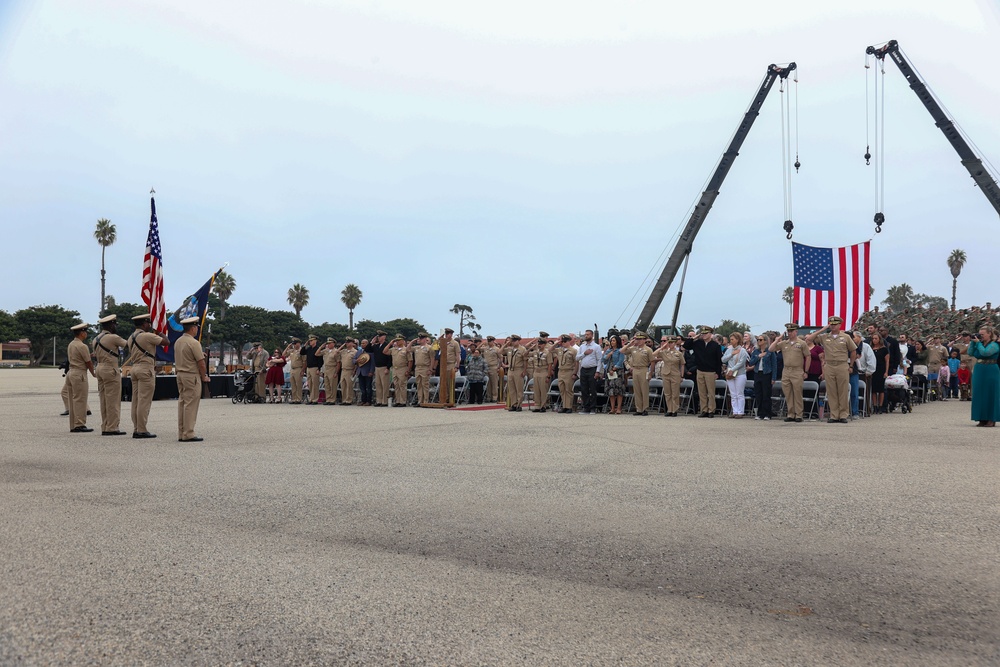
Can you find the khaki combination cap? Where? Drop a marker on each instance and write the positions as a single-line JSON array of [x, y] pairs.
[[640, 336], [491, 338], [108, 318], [543, 334], [330, 339], [514, 337], [791, 326], [188, 321], [399, 337], [448, 330], [565, 338], [705, 330], [424, 334], [313, 337], [296, 340], [140, 318], [381, 333], [834, 319], [79, 327]]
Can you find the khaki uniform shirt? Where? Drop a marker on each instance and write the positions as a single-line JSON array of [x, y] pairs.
[[142, 348], [78, 353], [454, 353], [518, 360], [259, 361], [837, 348], [347, 360], [109, 353], [936, 354], [639, 357], [400, 359], [187, 354], [794, 353], [491, 355], [566, 356], [422, 356], [295, 359], [539, 361], [331, 359], [673, 362]]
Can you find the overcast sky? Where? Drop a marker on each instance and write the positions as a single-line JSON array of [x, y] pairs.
[[533, 160]]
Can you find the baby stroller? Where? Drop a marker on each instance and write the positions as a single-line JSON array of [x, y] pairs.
[[246, 388], [897, 394]]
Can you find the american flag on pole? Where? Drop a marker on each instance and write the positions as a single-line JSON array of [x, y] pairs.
[[830, 281], [152, 274]]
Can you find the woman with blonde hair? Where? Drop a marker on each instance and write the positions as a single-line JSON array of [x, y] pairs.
[[734, 362], [985, 377]]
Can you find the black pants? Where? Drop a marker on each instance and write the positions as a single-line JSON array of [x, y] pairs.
[[762, 393], [476, 392], [366, 388], [588, 389]]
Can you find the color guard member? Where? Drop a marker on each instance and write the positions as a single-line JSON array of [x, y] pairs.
[[78, 356], [107, 345], [189, 359], [142, 346]]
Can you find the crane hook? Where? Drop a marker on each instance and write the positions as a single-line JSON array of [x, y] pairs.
[[879, 221], [788, 227], [868, 155], [797, 164]]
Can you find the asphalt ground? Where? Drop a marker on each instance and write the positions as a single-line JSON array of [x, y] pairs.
[[379, 536]]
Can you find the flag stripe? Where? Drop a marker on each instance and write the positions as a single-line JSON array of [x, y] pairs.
[[152, 274]]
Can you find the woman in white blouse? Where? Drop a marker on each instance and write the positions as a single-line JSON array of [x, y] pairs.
[[735, 362]]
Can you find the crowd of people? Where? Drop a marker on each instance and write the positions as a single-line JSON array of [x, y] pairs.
[[962, 367]]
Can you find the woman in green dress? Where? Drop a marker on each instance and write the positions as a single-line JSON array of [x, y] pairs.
[[985, 378]]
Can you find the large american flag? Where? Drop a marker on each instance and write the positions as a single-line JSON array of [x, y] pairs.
[[830, 281], [152, 274]]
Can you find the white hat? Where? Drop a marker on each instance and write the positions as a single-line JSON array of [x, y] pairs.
[[144, 316], [190, 320], [79, 327], [108, 318]]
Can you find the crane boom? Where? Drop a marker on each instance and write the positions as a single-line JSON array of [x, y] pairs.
[[970, 160], [704, 205]]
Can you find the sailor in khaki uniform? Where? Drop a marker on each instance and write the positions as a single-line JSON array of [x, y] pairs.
[[671, 372], [109, 376], [142, 346], [189, 359], [423, 357], [490, 351], [297, 365], [347, 352], [331, 370], [640, 357], [453, 349], [400, 370], [78, 356], [540, 362], [839, 351], [565, 356], [517, 370], [258, 364], [795, 357]]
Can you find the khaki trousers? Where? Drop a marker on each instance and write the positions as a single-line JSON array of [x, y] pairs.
[[640, 389], [515, 389], [541, 391], [423, 374], [566, 390], [346, 387], [399, 386], [791, 387], [79, 387], [382, 385], [313, 384], [672, 392], [330, 382], [706, 392], [143, 385], [494, 384], [838, 390], [261, 386], [296, 378], [109, 389], [188, 399]]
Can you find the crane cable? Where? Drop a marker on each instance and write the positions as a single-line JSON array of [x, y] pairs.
[[876, 105], [786, 151]]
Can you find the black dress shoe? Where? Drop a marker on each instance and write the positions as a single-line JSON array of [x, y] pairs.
[[88, 414], [798, 420], [113, 433], [843, 421], [81, 429], [831, 420], [143, 434], [64, 414], [194, 439], [702, 415]]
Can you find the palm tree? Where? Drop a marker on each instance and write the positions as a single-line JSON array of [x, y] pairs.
[[298, 298], [351, 297], [956, 260], [106, 235], [898, 298], [224, 287], [788, 296]]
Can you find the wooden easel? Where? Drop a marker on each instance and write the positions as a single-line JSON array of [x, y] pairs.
[[446, 385]]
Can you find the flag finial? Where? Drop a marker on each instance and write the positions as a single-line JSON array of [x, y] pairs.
[[152, 191]]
